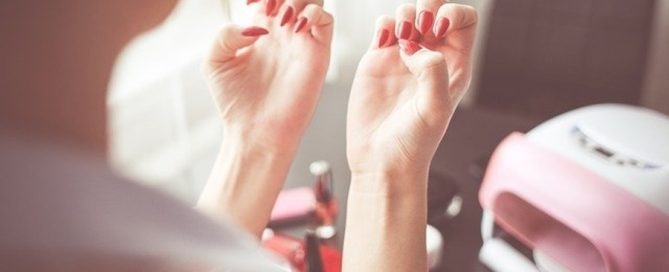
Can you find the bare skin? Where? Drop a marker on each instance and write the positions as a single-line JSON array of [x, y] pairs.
[[55, 75], [403, 97], [266, 88]]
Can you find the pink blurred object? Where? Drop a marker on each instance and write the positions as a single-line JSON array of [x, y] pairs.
[[562, 201], [294, 204], [315, 206]]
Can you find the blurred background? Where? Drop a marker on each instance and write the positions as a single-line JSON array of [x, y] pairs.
[[534, 59]]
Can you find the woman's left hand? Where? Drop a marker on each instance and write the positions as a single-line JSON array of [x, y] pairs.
[[400, 104]]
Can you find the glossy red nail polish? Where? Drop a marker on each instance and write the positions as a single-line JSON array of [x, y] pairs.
[[271, 4], [441, 27], [254, 31], [248, 2], [405, 30], [425, 21], [409, 47], [287, 15], [301, 22], [383, 37]]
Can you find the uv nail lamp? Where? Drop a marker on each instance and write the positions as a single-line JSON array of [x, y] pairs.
[[585, 191]]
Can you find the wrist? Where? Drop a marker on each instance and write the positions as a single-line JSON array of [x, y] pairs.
[[391, 182], [245, 181], [386, 211], [257, 141]]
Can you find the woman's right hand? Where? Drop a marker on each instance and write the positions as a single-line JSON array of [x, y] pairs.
[[266, 79]]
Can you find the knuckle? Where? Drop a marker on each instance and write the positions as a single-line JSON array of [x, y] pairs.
[[328, 16], [434, 59], [473, 14], [383, 19], [406, 8], [466, 14], [226, 31], [313, 8]]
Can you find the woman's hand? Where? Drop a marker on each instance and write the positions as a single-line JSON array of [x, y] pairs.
[[400, 105], [402, 100], [267, 79]]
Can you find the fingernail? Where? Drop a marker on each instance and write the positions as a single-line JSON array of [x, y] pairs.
[[405, 30], [286, 16], [409, 47], [248, 2], [271, 4], [383, 37], [441, 27], [301, 22], [254, 31], [425, 21]]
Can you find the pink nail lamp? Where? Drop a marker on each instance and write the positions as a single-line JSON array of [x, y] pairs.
[[585, 191]]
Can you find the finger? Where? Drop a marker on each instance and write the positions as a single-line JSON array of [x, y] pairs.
[[272, 7], [313, 19], [231, 39], [430, 70], [291, 8], [288, 13], [426, 10], [405, 16], [458, 22], [385, 27]]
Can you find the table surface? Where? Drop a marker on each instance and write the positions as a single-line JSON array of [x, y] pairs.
[[472, 136]]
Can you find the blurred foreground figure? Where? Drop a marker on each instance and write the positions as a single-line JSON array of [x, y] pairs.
[[61, 208]]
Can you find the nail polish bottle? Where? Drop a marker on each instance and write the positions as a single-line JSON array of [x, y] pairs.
[[308, 255], [326, 203], [314, 260]]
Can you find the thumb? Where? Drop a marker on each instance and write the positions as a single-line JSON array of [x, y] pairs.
[[430, 70], [231, 39]]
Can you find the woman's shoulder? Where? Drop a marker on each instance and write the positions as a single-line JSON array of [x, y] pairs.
[[52, 196]]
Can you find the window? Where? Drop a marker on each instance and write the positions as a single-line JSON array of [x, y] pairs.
[[164, 129]]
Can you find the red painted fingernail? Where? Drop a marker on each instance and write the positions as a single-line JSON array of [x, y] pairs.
[[248, 2], [441, 27], [271, 4], [383, 37], [286, 16], [405, 30], [301, 22], [254, 31], [425, 21], [409, 47]]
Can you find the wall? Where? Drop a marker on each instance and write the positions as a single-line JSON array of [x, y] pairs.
[[656, 85], [656, 91]]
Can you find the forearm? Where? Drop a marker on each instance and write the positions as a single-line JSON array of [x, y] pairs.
[[245, 182], [385, 224]]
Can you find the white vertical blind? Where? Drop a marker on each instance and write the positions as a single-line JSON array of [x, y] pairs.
[[163, 121]]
